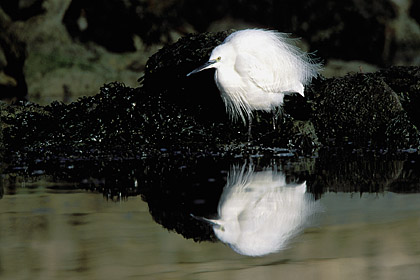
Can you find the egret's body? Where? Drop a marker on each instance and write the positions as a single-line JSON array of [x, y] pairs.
[[259, 213], [255, 68]]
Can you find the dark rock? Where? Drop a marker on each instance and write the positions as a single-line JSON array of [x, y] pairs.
[[2, 110], [405, 82], [22, 9], [175, 112], [415, 11], [113, 23], [349, 30], [14, 50], [367, 108], [197, 94], [346, 30]]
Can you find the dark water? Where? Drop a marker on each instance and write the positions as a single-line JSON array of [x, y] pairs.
[[109, 219]]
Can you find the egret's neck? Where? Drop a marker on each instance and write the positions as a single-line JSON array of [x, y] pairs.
[[226, 77]]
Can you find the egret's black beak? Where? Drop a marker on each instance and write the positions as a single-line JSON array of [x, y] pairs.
[[206, 65]]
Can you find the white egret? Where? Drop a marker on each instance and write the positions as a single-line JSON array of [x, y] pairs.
[[259, 213], [255, 68]]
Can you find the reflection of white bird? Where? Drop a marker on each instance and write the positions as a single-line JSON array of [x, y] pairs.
[[255, 68], [259, 213]]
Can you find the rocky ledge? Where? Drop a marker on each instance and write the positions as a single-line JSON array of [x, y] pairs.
[[170, 111]]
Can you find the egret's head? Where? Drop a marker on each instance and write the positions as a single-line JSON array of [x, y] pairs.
[[209, 64], [226, 232], [218, 57], [212, 222]]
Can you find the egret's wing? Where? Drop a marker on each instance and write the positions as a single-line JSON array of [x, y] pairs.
[[256, 71], [271, 74], [257, 214]]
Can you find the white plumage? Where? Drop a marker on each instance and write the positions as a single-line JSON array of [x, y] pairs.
[[255, 68], [259, 213]]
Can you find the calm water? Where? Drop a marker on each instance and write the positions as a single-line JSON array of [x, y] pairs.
[[55, 231]]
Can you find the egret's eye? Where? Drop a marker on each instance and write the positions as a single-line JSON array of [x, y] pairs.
[[219, 58]]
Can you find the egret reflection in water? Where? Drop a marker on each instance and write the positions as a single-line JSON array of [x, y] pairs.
[[259, 213]]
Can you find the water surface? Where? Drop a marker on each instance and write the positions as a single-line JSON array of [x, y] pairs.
[[56, 230]]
